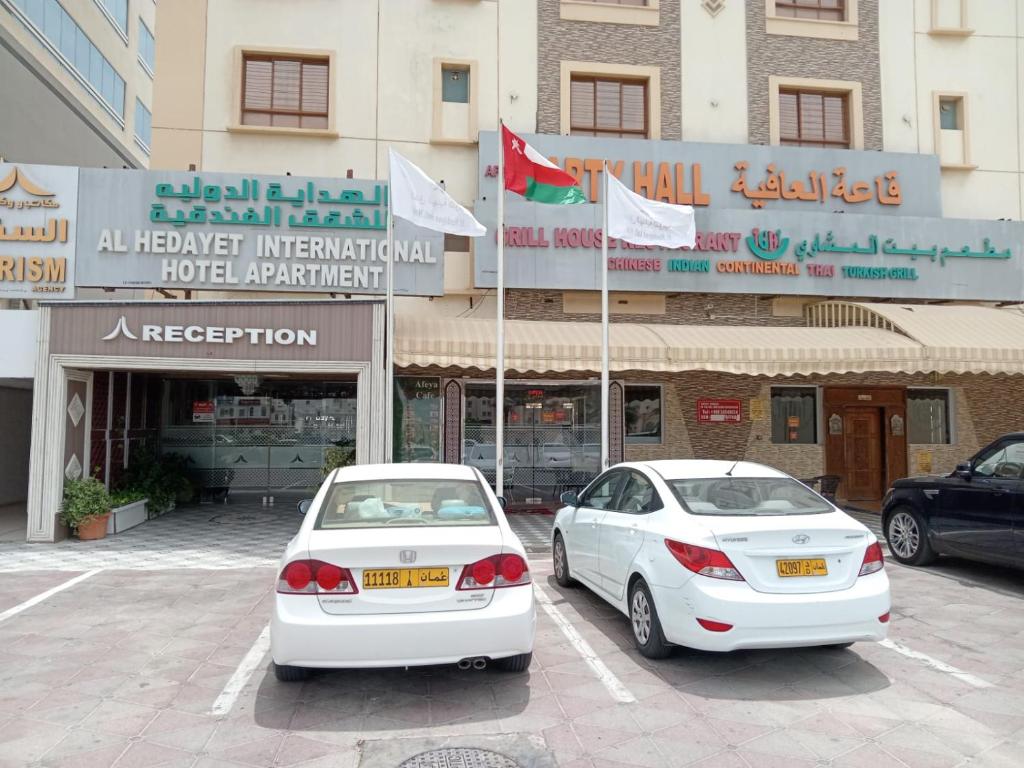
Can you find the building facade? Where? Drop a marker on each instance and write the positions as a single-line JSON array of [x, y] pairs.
[[851, 308]]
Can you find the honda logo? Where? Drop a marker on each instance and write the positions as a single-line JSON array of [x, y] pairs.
[[407, 555], [801, 538]]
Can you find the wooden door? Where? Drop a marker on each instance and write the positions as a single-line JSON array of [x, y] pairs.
[[863, 454]]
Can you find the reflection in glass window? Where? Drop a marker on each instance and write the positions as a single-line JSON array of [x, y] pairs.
[[455, 84], [928, 416], [643, 414], [794, 415], [417, 414], [143, 125], [147, 47]]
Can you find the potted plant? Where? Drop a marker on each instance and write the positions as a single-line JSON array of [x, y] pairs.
[[86, 508], [337, 457], [128, 509]]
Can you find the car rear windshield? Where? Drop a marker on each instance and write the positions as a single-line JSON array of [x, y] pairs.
[[398, 503], [748, 496]]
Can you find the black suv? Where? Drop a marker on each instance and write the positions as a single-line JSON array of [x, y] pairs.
[[977, 512]]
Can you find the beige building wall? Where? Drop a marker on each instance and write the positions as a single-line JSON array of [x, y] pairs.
[[969, 51], [385, 89], [714, 71]]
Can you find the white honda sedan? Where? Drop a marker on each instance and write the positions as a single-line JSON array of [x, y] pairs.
[[400, 565], [719, 556]]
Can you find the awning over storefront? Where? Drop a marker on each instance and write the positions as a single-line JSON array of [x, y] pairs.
[[955, 338], [539, 347]]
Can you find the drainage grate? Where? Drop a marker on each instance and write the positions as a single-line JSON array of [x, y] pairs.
[[459, 757]]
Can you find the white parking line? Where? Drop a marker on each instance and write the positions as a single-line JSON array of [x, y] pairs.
[[941, 666], [44, 595], [246, 667], [615, 687]]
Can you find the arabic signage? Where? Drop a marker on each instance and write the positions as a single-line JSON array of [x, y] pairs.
[[202, 411], [229, 232], [38, 218], [742, 176], [337, 331], [775, 250]]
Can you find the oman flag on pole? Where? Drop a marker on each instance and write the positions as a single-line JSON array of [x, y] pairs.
[[530, 174]]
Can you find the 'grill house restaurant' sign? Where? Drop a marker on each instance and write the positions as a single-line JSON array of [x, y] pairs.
[[229, 232], [770, 220]]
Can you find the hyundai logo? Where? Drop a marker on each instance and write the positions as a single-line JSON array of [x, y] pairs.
[[801, 538], [407, 555]]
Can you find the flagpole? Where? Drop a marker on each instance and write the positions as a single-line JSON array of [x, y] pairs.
[[604, 320], [499, 368], [389, 364]]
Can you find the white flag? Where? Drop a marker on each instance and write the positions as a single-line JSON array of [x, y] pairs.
[[416, 198], [640, 221]]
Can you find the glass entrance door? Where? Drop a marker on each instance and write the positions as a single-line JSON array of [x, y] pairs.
[[250, 434], [552, 437]]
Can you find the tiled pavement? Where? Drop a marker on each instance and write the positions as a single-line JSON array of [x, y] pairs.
[[122, 670]]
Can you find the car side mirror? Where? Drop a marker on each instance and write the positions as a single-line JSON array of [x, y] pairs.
[[502, 501], [570, 499], [304, 506], [963, 470]]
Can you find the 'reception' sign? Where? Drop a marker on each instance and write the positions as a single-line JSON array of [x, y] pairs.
[[232, 232]]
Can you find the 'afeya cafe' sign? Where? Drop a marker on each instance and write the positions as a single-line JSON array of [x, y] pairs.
[[770, 220], [232, 232]]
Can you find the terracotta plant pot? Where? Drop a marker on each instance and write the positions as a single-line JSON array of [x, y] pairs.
[[96, 528]]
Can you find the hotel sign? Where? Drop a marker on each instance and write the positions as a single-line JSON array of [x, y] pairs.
[[232, 232], [38, 220], [851, 246]]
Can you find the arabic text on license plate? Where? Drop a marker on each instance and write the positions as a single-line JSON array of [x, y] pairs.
[[812, 567], [404, 578]]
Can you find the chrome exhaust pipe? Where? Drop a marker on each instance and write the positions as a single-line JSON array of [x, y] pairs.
[[465, 664], [480, 663]]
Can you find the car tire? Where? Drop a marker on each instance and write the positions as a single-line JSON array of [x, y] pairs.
[[287, 674], [643, 618], [907, 536], [519, 663], [561, 562]]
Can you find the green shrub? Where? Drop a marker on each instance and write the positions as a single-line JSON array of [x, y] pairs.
[[335, 458], [84, 499], [126, 496], [163, 479]]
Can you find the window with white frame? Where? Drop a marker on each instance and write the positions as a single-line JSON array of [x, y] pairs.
[[928, 416], [143, 125], [147, 48]]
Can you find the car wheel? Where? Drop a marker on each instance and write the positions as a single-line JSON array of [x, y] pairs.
[[561, 561], [519, 663], [908, 537], [287, 674], [643, 617]]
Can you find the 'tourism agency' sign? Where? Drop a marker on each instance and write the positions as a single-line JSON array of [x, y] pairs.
[[38, 215], [794, 250], [228, 232]]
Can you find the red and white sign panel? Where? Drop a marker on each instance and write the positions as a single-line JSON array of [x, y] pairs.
[[202, 411], [719, 411]]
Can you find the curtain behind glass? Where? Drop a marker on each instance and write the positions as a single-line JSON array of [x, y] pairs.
[[927, 415], [798, 404]]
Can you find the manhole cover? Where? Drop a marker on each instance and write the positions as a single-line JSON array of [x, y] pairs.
[[459, 757]]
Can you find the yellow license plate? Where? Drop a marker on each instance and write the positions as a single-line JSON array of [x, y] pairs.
[[404, 578], [813, 567]]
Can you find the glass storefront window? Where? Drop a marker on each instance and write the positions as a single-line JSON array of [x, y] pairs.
[[417, 419], [794, 415], [552, 437], [259, 435], [643, 414]]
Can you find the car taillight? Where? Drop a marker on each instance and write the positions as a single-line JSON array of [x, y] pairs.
[[884, 618], [714, 626], [494, 572], [315, 577], [873, 560], [706, 562]]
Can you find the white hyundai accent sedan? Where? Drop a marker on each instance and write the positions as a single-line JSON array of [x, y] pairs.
[[400, 565], [719, 556]]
